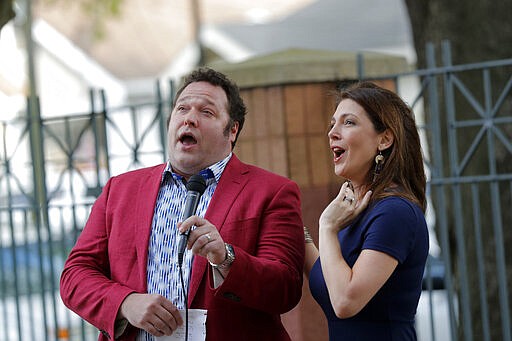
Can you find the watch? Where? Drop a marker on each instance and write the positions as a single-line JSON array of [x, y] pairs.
[[230, 257]]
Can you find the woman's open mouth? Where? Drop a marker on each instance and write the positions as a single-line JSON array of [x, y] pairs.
[[338, 153]]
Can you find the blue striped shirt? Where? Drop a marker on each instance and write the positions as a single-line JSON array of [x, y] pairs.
[[163, 273]]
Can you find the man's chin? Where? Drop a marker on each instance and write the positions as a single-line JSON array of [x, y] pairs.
[[187, 164]]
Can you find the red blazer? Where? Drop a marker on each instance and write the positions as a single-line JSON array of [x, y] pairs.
[[256, 211]]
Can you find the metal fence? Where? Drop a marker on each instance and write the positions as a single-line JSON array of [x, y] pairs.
[[470, 132], [80, 152]]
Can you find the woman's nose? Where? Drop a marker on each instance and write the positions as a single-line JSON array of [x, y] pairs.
[[332, 134]]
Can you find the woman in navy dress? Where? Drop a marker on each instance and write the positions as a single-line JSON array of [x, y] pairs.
[[373, 241]]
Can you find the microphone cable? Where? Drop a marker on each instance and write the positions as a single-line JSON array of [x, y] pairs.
[[185, 295]]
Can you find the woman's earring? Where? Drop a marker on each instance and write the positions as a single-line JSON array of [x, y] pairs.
[[379, 162]]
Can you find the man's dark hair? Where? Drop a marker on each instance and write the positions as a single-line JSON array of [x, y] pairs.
[[236, 106]]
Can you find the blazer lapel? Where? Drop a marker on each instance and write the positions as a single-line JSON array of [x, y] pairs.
[[232, 181], [148, 191]]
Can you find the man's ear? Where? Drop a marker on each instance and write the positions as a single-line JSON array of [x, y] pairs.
[[233, 131], [386, 139]]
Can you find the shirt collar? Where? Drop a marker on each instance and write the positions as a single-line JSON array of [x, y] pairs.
[[210, 174]]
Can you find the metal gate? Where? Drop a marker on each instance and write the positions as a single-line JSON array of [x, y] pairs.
[[468, 126], [79, 153], [466, 292]]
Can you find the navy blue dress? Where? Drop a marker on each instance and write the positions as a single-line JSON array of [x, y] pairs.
[[396, 227]]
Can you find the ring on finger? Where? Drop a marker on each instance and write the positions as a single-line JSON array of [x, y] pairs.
[[348, 199], [208, 237]]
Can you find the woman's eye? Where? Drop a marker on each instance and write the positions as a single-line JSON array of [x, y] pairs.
[[349, 122]]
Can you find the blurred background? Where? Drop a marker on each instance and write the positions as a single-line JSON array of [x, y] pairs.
[[86, 87], [123, 46]]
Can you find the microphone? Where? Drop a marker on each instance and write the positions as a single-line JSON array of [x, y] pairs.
[[196, 186]]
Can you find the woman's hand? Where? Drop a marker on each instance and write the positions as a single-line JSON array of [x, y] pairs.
[[343, 209]]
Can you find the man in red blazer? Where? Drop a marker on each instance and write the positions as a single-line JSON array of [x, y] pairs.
[[246, 246]]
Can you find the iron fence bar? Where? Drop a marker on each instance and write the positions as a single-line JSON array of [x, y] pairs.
[[36, 141], [166, 115], [54, 136], [465, 300], [437, 172], [115, 128], [500, 262], [3, 292], [445, 254], [425, 82], [15, 270], [430, 288], [7, 160], [441, 70], [160, 113], [135, 133], [503, 95], [104, 130], [497, 222], [100, 154], [146, 131], [471, 150], [480, 261], [501, 136], [156, 120], [41, 204], [69, 148], [94, 125], [63, 248], [467, 94], [491, 151], [470, 179], [52, 285], [490, 113], [29, 277], [457, 197], [69, 162], [482, 122], [172, 93], [436, 115]]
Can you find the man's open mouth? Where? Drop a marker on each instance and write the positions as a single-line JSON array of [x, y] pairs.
[[187, 139]]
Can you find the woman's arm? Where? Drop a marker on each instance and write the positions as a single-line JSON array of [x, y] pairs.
[[350, 289]]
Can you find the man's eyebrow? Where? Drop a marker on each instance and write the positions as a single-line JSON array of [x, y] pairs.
[[189, 98]]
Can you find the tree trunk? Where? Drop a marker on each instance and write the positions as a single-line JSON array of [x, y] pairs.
[[478, 30]]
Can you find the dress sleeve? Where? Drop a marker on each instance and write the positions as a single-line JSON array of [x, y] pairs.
[[392, 228]]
